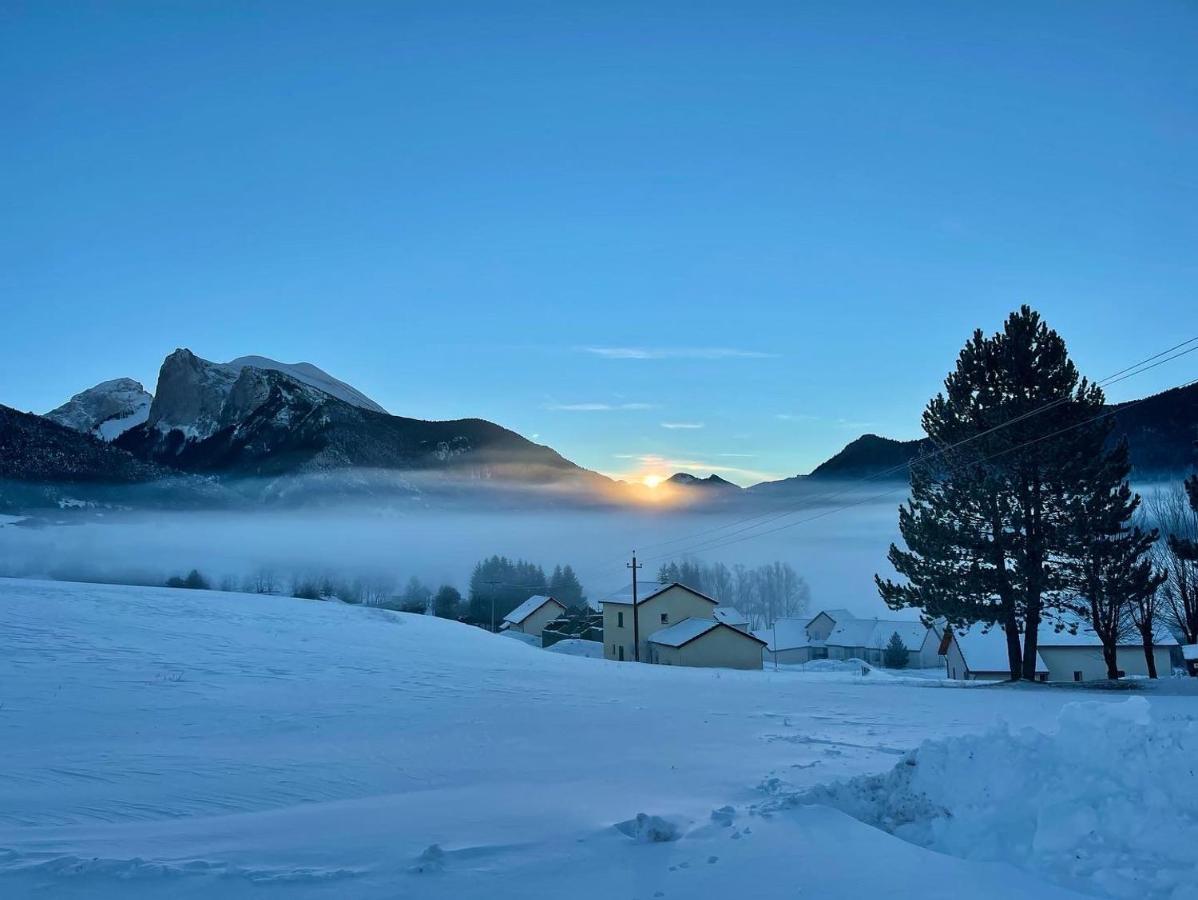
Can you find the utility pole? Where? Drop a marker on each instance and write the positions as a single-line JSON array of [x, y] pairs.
[[492, 584], [775, 627], [636, 613]]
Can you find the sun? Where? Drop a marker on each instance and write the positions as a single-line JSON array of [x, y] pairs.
[[652, 481]]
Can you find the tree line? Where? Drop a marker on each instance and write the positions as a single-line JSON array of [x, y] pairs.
[[497, 585], [1022, 516], [763, 594]]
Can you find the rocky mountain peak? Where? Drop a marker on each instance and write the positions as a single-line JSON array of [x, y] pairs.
[[107, 410]]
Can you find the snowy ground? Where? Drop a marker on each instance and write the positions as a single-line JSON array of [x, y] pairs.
[[165, 742]]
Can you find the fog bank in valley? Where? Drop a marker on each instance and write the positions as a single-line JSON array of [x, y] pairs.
[[837, 551]]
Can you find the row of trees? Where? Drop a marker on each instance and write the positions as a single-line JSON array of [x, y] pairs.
[[1021, 515], [498, 585], [766, 593]]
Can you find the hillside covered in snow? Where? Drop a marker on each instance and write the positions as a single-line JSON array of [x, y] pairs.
[[191, 743]]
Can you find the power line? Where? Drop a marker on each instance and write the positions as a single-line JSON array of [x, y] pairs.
[[1137, 368], [723, 543]]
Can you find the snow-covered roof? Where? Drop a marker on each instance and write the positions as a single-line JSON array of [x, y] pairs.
[[688, 629], [985, 650], [836, 615], [876, 633], [730, 615], [528, 607], [647, 589], [790, 634]]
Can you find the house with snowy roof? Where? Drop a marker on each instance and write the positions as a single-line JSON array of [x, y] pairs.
[[705, 642], [838, 634], [1073, 653], [702, 638], [531, 616]]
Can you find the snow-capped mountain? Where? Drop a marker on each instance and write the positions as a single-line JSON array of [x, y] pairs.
[[197, 397], [107, 410], [309, 374]]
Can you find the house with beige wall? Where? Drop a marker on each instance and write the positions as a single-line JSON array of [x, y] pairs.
[[707, 643], [531, 616], [659, 605]]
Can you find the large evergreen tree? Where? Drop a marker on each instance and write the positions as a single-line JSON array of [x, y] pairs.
[[989, 515], [565, 587]]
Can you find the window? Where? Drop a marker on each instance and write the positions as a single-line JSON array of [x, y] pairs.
[[665, 618], [619, 620], [621, 653], [1077, 676]]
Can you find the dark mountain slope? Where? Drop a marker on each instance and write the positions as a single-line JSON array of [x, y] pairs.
[[279, 426], [35, 449]]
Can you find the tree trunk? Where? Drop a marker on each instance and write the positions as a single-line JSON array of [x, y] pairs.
[[1149, 656], [1031, 642], [1014, 653], [1112, 661]]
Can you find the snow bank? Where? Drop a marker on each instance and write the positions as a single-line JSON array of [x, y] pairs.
[[851, 666], [578, 647], [1108, 803]]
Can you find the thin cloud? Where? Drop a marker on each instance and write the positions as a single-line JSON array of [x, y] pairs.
[[598, 407], [658, 462], [676, 353], [795, 417], [687, 426]]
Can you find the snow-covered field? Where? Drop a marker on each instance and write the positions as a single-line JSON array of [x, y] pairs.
[[162, 742]]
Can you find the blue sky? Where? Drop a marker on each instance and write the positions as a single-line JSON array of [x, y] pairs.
[[770, 225]]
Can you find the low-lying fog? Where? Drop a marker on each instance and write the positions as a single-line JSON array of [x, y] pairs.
[[837, 552], [835, 546]]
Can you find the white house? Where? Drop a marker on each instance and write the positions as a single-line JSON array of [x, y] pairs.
[[705, 642], [838, 634], [533, 615], [978, 652]]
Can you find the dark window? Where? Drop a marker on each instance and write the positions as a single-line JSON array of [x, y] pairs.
[[621, 653], [665, 618], [1077, 676], [619, 620]]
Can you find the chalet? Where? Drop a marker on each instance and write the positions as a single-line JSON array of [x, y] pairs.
[[531, 616], [659, 605], [705, 642]]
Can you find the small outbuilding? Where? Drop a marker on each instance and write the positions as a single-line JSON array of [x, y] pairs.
[[980, 654], [533, 615], [705, 643]]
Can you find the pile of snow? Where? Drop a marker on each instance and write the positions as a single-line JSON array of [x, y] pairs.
[[531, 639], [578, 647], [1108, 802], [852, 666], [646, 829]]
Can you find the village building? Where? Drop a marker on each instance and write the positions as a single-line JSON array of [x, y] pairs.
[[838, 634], [1062, 656], [705, 642], [659, 605], [531, 616]]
